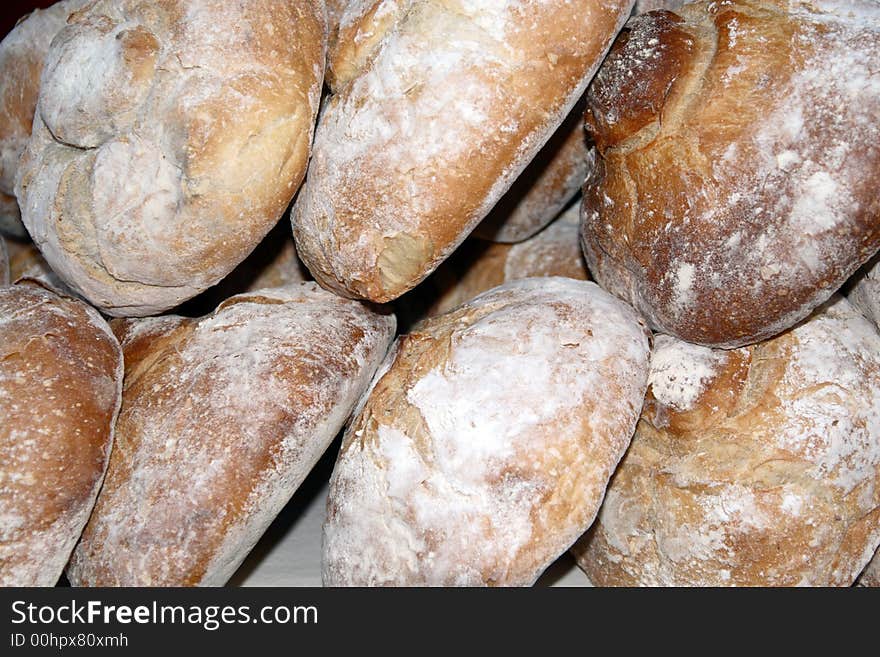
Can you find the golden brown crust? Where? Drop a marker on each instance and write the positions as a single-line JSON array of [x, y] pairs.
[[414, 151], [487, 441], [164, 149], [734, 191], [60, 388], [753, 467], [222, 418]]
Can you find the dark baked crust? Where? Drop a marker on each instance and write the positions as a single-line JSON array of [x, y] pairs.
[[738, 142]]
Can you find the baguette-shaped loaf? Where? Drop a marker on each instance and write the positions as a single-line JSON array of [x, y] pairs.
[[484, 448], [477, 266], [60, 389], [169, 138], [864, 291], [222, 418], [739, 153], [758, 466], [435, 122], [22, 55]]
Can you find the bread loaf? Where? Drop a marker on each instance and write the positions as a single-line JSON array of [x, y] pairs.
[[22, 54], [60, 387], [548, 183], [222, 418], [864, 290], [169, 138], [485, 446], [439, 115], [477, 266], [758, 466], [739, 150]]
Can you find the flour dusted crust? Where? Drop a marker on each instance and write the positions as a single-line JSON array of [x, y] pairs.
[[222, 418], [451, 103], [22, 54], [478, 266], [60, 388], [545, 187], [170, 136], [864, 290], [756, 466], [484, 448], [739, 152]]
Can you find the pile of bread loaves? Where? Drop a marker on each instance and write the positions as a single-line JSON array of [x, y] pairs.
[[706, 413]]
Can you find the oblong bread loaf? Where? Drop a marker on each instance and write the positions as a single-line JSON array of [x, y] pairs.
[[222, 418], [451, 103]]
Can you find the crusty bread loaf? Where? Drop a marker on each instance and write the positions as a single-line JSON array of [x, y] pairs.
[[169, 138], [435, 122], [222, 418], [548, 183], [478, 266], [551, 179], [756, 466], [60, 388], [22, 54], [871, 574], [864, 290], [486, 443], [739, 152]]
